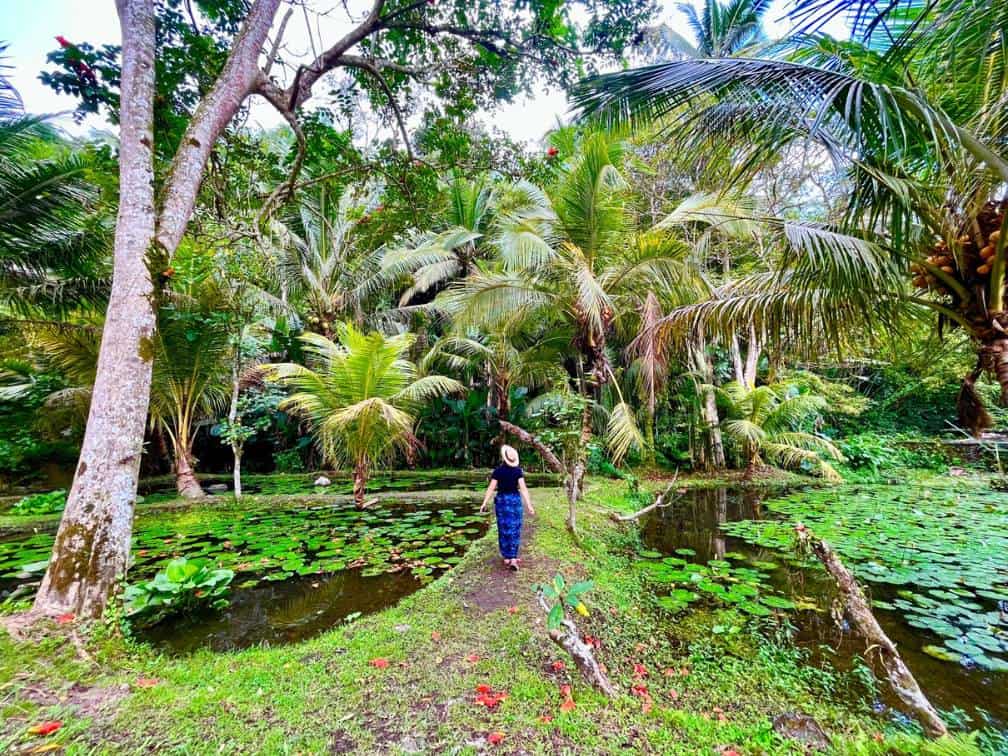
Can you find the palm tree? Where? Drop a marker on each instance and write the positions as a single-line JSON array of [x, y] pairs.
[[53, 235], [360, 396], [915, 112], [765, 423], [505, 355], [192, 371], [437, 257], [571, 258], [724, 30], [321, 265]]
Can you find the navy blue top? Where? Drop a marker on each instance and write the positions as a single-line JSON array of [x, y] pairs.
[[507, 478]]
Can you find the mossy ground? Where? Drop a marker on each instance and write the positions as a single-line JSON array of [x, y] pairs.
[[476, 625]]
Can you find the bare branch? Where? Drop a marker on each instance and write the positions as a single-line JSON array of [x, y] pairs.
[[366, 65], [657, 504], [860, 613], [275, 49], [277, 98]]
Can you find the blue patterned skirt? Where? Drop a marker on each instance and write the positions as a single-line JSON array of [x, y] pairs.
[[509, 523]]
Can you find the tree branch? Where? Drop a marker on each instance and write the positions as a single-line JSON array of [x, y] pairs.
[[857, 608], [657, 504], [544, 451], [236, 81], [276, 97], [275, 49], [306, 76], [366, 65]]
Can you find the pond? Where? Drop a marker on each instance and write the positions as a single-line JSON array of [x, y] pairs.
[[300, 568], [934, 562]]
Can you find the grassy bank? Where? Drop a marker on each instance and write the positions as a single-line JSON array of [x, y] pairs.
[[711, 693]]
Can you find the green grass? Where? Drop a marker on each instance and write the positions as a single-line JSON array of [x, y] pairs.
[[324, 695]]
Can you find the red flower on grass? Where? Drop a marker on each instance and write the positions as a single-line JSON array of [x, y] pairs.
[[495, 738], [45, 728], [379, 663], [147, 682], [639, 670], [559, 666], [568, 699], [488, 697], [472, 658]]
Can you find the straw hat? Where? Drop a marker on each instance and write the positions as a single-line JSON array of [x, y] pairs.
[[510, 455]]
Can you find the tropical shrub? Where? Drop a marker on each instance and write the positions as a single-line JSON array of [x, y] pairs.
[[184, 585], [768, 423], [41, 503], [360, 396]]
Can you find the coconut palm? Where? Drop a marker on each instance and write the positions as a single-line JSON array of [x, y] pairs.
[[572, 258], [321, 264], [765, 424], [915, 111], [360, 397], [505, 356], [437, 257]]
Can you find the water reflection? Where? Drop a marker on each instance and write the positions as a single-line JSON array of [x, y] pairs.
[[693, 522]]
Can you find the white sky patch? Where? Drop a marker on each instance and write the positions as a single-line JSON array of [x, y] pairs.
[[29, 28]]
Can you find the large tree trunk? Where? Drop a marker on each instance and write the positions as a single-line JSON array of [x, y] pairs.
[[91, 551]]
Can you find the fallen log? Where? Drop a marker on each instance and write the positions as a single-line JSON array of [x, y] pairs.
[[568, 638], [551, 459], [658, 503], [860, 614]]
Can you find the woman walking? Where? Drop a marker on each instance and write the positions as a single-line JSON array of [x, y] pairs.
[[508, 483]]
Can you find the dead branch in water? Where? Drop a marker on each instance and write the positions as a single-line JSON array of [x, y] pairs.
[[860, 614], [568, 638], [658, 503]]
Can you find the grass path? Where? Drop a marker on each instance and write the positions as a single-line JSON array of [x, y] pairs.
[[478, 625]]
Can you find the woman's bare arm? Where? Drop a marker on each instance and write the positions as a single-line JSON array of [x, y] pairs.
[[488, 496], [526, 496]]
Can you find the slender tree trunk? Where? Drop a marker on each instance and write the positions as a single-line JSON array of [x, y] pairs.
[[715, 454], [91, 551], [575, 479], [360, 478], [233, 421], [752, 358]]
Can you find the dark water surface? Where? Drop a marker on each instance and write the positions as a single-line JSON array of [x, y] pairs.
[[694, 523]]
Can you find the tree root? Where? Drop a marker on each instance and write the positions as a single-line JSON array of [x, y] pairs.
[[860, 613]]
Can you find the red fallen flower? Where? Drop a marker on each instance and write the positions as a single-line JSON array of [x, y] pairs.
[[63, 41], [495, 738], [640, 689], [147, 682], [545, 718], [592, 641], [552, 152], [484, 688], [565, 691], [567, 705], [647, 706], [673, 694], [65, 618], [512, 609], [379, 663], [472, 658], [45, 728], [639, 670], [435, 635], [490, 699], [559, 666], [730, 752]]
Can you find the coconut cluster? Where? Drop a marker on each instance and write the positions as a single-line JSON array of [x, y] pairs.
[[971, 256]]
